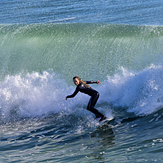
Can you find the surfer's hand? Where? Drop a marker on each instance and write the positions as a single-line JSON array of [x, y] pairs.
[[98, 82]]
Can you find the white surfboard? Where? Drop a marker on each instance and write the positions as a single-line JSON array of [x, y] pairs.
[[102, 122]]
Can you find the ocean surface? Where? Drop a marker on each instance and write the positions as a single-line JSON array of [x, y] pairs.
[[44, 44]]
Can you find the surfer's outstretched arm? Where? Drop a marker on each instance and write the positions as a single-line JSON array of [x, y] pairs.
[[92, 82], [73, 95]]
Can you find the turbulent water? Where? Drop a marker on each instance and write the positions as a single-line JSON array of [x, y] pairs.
[[44, 44]]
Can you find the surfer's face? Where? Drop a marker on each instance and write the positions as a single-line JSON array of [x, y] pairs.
[[76, 81]]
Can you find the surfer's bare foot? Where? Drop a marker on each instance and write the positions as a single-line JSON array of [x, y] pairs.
[[103, 118]]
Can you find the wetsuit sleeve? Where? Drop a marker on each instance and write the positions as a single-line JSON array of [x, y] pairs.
[[91, 82], [74, 94]]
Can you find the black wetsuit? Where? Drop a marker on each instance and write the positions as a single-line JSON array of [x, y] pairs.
[[91, 92]]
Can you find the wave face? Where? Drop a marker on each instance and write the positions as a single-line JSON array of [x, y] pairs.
[[38, 62], [91, 50]]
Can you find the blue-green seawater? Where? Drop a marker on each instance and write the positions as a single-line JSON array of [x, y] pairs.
[[44, 44]]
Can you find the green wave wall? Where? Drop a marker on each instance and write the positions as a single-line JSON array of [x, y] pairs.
[[88, 50]]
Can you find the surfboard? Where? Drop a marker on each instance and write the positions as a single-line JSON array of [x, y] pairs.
[[105, 121], [103, 128]]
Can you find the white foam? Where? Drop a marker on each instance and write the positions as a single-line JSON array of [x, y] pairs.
[[140, 91], [33, 95], [40, 94]]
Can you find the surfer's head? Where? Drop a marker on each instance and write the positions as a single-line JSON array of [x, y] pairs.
[[76, 80]]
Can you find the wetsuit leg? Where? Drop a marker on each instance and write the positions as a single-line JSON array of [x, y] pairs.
[[91, 105]]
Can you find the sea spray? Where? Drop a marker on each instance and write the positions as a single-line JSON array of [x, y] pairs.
[[38, 94], [140, 92], [31, 95]]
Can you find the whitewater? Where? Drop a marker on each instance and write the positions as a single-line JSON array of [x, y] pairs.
[[44, 44]]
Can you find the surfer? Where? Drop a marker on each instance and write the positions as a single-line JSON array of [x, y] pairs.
[[83, 87]]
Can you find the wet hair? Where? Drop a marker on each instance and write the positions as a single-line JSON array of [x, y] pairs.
[[80, 80], [77, 77]]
